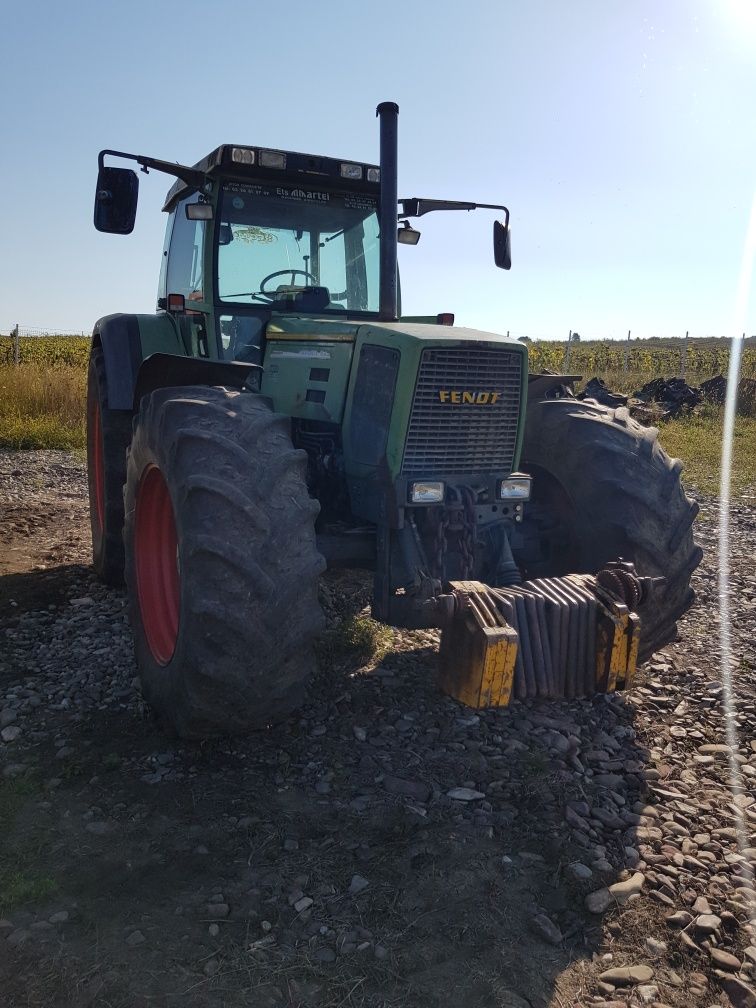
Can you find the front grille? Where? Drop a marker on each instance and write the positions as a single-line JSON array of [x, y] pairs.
[[456, 438]]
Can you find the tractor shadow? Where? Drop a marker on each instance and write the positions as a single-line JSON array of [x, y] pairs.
[[45, 588], [494, 884], [418, 897]]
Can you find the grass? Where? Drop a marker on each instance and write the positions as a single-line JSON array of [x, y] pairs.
[[697, 440], [42, 406], [20, 882], [20, 887], [357, 637]]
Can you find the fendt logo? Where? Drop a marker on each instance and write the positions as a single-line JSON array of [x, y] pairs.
[[474, 398]]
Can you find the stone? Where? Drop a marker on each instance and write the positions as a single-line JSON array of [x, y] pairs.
[[624, 976], [680, 919], [99, 828], [741, 994], [18, 937], [725, 960], [599, 901], [622, 891], [648, 993], [303, 904], [358, 884], [135, 938], [707, 923], [579, 871], [359, 733], [655, 948], [10, 734], [59, 918], [545, 928], [218, 910], [325, 954], [464, 794], [416, 790]]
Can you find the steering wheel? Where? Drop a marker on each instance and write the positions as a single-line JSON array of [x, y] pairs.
[[285, 272]]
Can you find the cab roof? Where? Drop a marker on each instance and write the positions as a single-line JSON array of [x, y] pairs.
[[245, 162]]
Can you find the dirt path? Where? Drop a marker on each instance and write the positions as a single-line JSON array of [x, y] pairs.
[[330, 862]]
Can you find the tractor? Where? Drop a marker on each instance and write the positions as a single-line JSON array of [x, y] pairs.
[[278, 414]]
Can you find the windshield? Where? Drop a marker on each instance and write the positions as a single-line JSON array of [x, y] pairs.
[[298, 249]]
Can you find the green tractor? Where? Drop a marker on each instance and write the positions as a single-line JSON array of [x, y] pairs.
[[278, 415]]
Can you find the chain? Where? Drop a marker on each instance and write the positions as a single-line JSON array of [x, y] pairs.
[[441, 517], [467, 532], [457, 517]]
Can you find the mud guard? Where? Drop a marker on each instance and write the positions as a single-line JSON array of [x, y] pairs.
[[119, 337], [162, 370]]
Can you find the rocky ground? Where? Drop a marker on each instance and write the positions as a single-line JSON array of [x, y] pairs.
[[385, 848]]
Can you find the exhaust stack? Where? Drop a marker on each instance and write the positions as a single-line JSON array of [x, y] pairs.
[[388, 113]]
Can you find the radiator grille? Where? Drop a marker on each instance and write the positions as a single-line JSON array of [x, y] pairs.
[[448, 438]]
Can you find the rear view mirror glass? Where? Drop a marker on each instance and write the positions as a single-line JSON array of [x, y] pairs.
[[502, 243], [225, 234], [116, 200]]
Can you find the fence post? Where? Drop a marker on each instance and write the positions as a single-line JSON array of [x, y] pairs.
[[567, 354], [16, 346], [684, 355], [627, 353]]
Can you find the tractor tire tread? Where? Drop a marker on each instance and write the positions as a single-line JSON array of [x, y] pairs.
[[627, 499], [249, 565]]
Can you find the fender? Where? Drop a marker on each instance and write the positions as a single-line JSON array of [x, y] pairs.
[[162, 370], [119, 337], [540, 386], [146, 352]]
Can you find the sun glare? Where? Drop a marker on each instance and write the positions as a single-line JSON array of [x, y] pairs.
[[741, 14]]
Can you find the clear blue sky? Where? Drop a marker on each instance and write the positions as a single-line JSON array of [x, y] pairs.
[[622, 136]]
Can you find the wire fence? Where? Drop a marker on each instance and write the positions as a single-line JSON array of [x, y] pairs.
[[24, 332]]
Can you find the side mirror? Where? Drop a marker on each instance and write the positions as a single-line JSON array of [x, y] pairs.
[[407, 235], [502, 245], [116, 200], [225, 234]]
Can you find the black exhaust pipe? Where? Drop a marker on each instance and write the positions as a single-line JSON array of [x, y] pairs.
[[388, 113]]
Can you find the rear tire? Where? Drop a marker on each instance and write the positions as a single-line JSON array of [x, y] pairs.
[[108, 437], [221, 562], [613, 492]]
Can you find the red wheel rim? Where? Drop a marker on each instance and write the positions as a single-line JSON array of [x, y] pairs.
[[156, 562], [98, 467]]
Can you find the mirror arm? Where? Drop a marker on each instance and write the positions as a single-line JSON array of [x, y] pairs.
[[414, 207], [191, 176]]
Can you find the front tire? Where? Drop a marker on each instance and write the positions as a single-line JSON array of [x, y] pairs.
[[221, 563], [608, 491]]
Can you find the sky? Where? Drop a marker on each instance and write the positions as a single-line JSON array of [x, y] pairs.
[[622, 137]]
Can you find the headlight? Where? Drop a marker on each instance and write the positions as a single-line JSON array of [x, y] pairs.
[[351, 171], [426, 493], [515, 488], [272, 159], [242, 155]]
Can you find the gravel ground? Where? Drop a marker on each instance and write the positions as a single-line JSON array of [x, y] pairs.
[[388, 847]]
